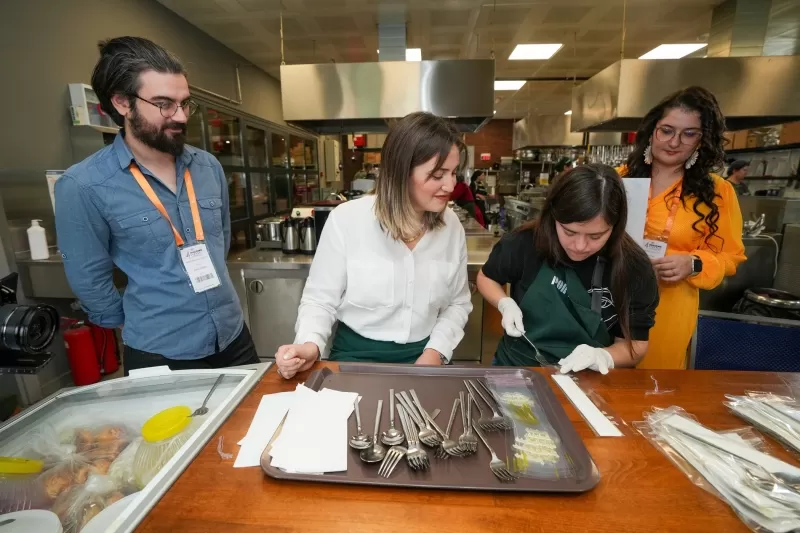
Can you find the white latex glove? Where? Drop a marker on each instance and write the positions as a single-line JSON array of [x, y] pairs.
[[512, 317], [585, 356]]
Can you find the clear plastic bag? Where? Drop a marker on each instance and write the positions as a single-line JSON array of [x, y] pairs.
[[536, 449], [778, 416], [121, 470], [76, 507], [762, 499]]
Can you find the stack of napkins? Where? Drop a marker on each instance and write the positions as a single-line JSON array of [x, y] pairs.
[[313, 439], [270, 414]]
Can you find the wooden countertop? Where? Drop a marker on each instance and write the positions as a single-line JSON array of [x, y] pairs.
[[640, 489]]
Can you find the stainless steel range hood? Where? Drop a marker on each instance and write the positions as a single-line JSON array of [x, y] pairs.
[[366, 97], [752, 91]]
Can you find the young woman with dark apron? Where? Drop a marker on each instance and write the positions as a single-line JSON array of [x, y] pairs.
[[391, 267], [583, 293]]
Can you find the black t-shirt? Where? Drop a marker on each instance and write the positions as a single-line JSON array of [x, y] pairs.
[[514, 260]]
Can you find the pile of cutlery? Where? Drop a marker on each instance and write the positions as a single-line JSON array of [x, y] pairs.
[[419, 428]]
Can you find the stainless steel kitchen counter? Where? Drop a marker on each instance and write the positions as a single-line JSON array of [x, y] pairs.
[[478, 249]]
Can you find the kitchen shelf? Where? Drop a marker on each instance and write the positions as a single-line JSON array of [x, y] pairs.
[[101, 129], [764, 178], [761, 149]]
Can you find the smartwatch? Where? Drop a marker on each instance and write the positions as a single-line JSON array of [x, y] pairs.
[[697, 265]]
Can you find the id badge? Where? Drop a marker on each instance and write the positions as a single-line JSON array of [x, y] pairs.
[[655, 249], [199, 267]]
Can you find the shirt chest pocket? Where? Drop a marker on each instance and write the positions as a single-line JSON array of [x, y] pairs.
[[146, 231], [370, 283], [211, 215], [442, 277]]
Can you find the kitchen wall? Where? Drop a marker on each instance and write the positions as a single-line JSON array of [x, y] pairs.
[[47, 44], [494, 138]]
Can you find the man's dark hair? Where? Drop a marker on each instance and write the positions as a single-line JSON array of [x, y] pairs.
[[122, 60], [737, 165]]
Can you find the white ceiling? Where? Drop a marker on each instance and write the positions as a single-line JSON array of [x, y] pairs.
[[346, 31]]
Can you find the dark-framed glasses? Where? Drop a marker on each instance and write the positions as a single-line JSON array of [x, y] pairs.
[[168, 108], [667, 133]]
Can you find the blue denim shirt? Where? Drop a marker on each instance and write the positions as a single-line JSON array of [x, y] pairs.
[[103, 218]]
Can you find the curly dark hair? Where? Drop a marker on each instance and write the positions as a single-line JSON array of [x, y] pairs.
[[697, 181]]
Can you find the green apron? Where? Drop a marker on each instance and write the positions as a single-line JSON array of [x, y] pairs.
[[554, 321], [350, 346]]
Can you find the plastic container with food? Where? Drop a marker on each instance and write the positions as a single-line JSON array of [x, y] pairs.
[[163, 435], [21, 485]]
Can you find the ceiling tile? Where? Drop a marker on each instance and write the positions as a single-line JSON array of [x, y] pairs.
[[225, 30], [335, 24], [449, 17], [291, 28], [507, 15], [446, 39], [564, 15]]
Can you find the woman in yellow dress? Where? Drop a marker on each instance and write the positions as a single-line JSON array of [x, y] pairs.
[[693, 233]]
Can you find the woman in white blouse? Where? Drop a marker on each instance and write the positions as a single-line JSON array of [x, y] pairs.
[[391, 267]]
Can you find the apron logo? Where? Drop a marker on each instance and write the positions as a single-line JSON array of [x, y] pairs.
[[560, 285]]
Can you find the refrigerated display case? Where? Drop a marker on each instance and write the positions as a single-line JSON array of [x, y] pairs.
[[121, 407]]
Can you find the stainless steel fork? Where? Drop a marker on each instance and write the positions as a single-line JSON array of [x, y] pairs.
[[485, 421], [497, 466], [467, 440], [416, 457], [392, 459], [503, 422]]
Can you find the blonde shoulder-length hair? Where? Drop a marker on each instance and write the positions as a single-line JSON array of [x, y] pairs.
[[413, 140]]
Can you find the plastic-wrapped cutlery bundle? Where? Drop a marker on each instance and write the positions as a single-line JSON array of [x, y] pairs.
[[776, 415], [537, 449], [762, 490]]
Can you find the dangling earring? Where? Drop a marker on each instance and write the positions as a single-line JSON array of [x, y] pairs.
[[692, 160], [648, 154]]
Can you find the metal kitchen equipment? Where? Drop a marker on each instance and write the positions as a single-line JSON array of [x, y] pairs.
[[268, 233], [436, 387], [290, 237], [308, 236]]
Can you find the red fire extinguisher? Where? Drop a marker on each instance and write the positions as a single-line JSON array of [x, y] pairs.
[[91, 351]]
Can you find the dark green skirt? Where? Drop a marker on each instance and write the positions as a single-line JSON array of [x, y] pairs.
[[350, 346]]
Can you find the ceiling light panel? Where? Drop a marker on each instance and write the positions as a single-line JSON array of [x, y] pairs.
[[673, 51], [508, 85], [534, 51]]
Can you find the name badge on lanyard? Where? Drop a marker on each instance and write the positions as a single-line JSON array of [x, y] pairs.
[[195, 257], [656, 246]]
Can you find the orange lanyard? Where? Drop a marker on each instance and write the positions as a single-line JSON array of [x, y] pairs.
[[151, 195], [673, 211]]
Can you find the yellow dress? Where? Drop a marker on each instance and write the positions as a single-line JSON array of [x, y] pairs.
[[676, 315]]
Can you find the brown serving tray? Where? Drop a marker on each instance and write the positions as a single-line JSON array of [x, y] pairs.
[[438, 387]]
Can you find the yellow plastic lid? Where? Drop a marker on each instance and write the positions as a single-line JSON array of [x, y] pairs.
[[20, 465], [166, 424]]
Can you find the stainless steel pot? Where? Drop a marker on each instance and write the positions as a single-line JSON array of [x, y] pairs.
[[268, 233]]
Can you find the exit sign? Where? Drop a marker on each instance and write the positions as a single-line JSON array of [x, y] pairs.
[[486, 157]]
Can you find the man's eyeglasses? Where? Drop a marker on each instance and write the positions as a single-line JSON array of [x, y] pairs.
[[169, 108], [667, 133]]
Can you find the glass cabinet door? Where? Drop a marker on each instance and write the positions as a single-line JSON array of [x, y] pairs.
[[224, 138], [312, 187], [300, 189], [260, 187], [297, 157], [311, 154], [280, 154], [237, 194], [256, 140], [194, 130], [281, 187]]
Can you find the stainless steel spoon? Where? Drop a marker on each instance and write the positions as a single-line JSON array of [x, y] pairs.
[[359, 441], [200, 411], [392, 436], [376, 452]]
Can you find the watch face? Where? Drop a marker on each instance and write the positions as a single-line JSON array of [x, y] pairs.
[[697, 265]]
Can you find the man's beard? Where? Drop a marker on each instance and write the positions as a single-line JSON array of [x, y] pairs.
[[157, 137]]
